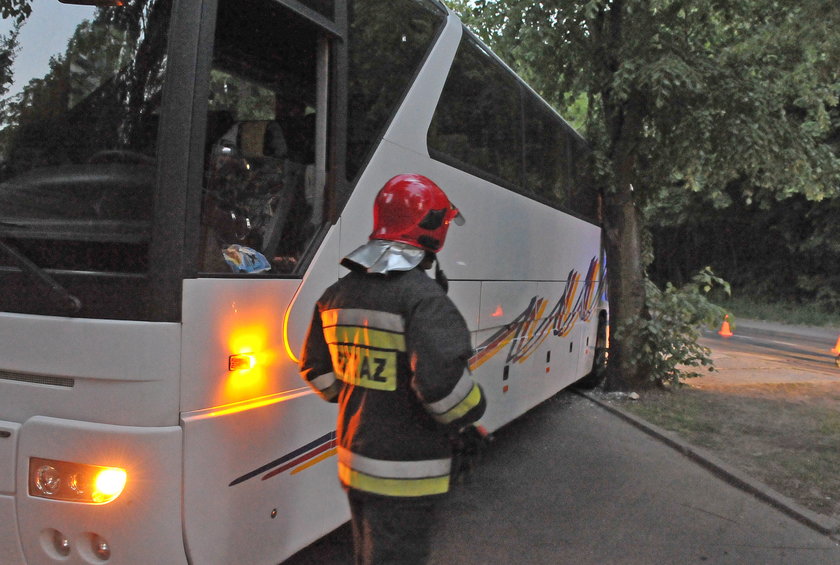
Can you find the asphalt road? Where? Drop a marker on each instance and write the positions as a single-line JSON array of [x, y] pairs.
[[570, 482], [762, 352], [806, 350]]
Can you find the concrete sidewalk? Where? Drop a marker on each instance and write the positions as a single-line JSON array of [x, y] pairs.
[[571, 483], [730, 474], [735, 370]]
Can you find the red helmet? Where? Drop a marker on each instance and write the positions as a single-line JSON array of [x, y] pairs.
[[414, 210]]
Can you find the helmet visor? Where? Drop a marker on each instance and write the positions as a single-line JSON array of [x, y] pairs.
[[455, 215]]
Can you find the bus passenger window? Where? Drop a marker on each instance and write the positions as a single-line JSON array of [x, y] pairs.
[[548, 153], [388, 39], [477, 124], [263, 194]]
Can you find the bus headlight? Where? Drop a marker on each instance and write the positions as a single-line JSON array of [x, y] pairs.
[[75, 482]]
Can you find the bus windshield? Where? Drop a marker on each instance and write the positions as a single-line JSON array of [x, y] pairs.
[[80, 92]]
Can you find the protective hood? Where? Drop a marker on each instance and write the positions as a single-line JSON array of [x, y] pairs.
[[382, 256]]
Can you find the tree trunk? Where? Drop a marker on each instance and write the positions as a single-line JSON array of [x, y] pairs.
[[622, 115], [626, 369]]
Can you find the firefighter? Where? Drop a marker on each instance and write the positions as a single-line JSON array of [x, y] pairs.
[[391, 349]]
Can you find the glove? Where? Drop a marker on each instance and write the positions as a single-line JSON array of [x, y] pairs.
[[468, 445]]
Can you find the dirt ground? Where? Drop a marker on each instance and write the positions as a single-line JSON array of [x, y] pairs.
[[782, 429]]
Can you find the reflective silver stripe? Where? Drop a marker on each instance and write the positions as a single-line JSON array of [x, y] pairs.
[[361, 317], [459, 393], [323, 382], [394, 469]]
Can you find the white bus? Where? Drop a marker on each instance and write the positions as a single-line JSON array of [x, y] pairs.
[[178, 181]]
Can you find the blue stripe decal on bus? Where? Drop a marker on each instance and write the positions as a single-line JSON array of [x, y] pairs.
[[326, 438]]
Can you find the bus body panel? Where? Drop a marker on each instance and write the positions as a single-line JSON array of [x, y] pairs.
[[522, 361], [143, 523], [467, 295], [8, 455], [467, 257], [225, 317], [560, 357], [233, 465], [238, 422], [533, 257], [586, 356], [508, 236], [418, 107], [268, 486], [503, 302], [107, 371], [502, 381], [266, 318], [11, 552]]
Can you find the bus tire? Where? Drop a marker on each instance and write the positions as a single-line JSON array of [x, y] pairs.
[[599, 364]]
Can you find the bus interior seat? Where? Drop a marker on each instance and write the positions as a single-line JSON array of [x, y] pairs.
[[260, 138]]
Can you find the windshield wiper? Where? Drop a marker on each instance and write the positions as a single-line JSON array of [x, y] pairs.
[[68, 302]]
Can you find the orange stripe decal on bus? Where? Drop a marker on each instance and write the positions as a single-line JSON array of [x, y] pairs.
[[315, 451], [531, 327]]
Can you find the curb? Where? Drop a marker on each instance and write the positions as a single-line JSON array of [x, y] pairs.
[[823, 524]]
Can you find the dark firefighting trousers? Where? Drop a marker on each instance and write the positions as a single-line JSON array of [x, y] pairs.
[[392, 531]]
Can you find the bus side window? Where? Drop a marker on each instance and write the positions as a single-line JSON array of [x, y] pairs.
[[478, 124], [263, 196], [489, 126]]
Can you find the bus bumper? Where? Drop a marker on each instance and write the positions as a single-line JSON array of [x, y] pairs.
[[142, 525], [10, 551]]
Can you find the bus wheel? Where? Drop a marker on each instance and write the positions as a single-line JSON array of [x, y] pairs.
[[599, 365]]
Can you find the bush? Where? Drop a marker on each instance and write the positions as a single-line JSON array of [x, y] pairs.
[[676, 317]]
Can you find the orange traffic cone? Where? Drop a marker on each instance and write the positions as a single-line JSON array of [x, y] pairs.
[[724, 328], [836, 349]]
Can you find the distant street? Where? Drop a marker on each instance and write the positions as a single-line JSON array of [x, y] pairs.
[[773, 353]]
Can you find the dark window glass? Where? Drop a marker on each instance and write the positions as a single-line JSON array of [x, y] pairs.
[[388, 41], [80, 92], [548, 153], [488, 124], [478, 119], [584, 199], [263, 195]]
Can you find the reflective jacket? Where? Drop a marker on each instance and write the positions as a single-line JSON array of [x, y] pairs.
[[392, 350]]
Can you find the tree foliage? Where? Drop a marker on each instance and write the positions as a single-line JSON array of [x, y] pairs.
[[726, 89], [18, 10], [774, 251], [683, 98], [670, 332]]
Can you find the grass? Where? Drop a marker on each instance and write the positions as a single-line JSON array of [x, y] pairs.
[[784, 436], [788, 313]]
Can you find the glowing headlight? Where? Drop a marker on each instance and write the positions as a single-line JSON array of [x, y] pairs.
[[75, 482]]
